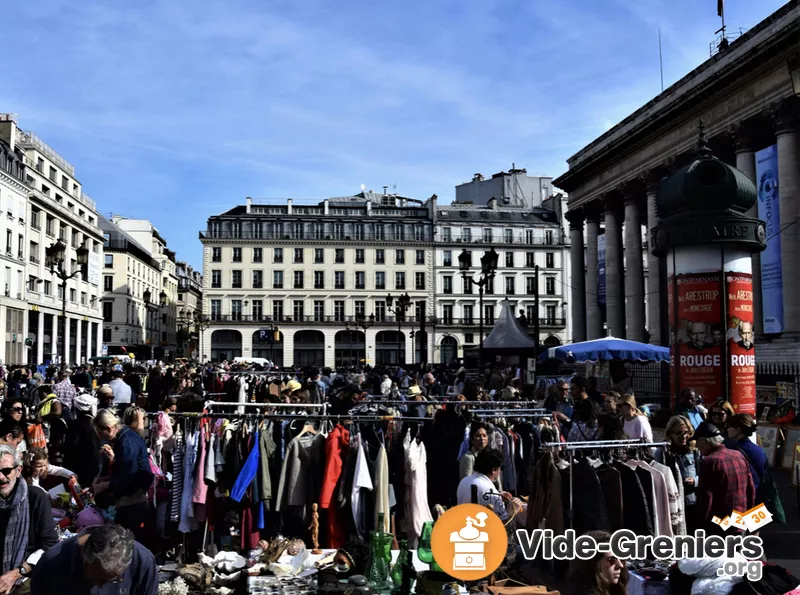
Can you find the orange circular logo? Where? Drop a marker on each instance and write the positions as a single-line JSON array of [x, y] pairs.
[[469, 542]]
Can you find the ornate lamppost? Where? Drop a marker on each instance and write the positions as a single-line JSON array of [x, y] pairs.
[[488, 269], [55, 263], [399, 310]]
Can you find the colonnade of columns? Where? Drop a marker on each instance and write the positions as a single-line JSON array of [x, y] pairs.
[[87, 345], [633, 305]]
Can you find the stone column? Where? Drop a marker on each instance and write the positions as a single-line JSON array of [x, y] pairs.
[[746, 163], [789, 188], [634, 267], [87, 341], [78, 333], [98, 338], [578, 272], [594, 315], [615, 278], [54, 343], [66, 350], [654, 265], [40, 338]]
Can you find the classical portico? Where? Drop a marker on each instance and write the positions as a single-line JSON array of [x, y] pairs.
[[745, 98]]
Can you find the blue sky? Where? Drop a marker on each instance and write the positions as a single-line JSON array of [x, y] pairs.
[[173, 110]]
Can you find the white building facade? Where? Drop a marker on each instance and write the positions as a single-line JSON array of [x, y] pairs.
[[56, 210], [161, 310], [318, 284], [129, 272], [13, 214], [531, 273]]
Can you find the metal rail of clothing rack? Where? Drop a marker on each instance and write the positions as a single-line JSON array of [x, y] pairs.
[[571, 447], [413, 401], [323, 406], [291, 416]]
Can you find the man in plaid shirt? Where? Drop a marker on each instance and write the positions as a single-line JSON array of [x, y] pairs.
[[65, 391], [724, 479]]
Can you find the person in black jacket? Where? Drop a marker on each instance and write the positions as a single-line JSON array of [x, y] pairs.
[[82, 446], [21, 508]]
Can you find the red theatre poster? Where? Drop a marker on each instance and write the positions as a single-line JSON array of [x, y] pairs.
[[700, 334], [740, 342]]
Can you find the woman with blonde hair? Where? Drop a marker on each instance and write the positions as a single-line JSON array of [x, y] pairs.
[[634, 423], [682, 454]]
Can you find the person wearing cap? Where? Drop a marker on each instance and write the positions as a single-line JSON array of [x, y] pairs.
[[725, 483], [740, 428]]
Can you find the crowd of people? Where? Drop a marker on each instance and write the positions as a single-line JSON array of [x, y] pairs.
[[87, 427]]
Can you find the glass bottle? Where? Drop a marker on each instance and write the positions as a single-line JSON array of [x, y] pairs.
[[386, 539], [424, 551], [403, 565], [377, 569]]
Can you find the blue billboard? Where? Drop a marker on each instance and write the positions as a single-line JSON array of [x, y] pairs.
[[769, 211], [601, 270]]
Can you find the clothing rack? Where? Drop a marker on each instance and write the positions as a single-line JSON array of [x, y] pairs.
[[413, 401], [290, 416], [323, 406], [571, 447]]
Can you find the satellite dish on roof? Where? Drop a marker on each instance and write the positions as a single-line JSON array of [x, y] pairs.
[[363, 187]]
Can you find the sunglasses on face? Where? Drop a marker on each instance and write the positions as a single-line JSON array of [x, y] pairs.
[[719, 413], [16, 410], [7, 471]]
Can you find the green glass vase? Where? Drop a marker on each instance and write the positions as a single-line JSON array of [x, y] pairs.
[[424, 551], [377, 573]]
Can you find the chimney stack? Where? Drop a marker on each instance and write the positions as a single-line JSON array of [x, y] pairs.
[[288, 206], [249, 202], [326, 207], [8, 129], [492, 203]]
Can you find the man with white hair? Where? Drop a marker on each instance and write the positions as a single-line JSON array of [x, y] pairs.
[[724, 479], [101, 556], [26, 522]]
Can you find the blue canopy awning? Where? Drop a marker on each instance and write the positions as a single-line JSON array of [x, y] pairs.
[[605, 349]]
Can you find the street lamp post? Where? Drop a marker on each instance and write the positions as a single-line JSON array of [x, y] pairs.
[[55, 263], [399, 310], [488, 269], [364, 324]]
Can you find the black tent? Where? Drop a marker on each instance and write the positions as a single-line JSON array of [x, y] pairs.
[[508, 337]]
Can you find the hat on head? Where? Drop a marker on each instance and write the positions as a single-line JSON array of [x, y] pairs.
[[414, 390], [293, 385], [706, 430], [85, 402]]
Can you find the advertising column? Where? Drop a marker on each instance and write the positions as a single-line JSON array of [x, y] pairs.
[[708, 241]]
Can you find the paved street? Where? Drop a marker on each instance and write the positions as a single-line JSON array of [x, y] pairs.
[[782, 542]]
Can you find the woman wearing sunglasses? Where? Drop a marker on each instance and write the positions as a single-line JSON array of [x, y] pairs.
[[720, 414], [14, 409]]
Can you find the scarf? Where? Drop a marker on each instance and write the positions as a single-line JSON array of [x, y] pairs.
[[16, 537]]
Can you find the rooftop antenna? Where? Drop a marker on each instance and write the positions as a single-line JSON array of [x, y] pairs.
[[660, 59]]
